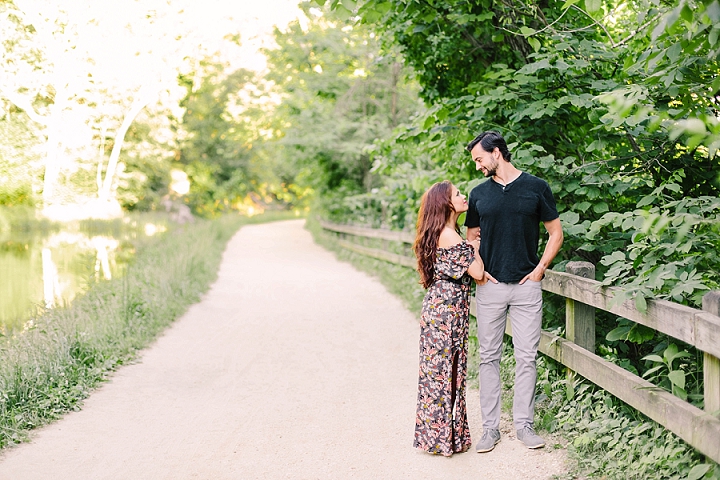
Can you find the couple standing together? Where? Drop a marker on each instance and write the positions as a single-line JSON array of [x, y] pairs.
[[506, 211]]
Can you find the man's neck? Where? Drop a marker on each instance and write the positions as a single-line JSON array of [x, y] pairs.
[[506, 173]]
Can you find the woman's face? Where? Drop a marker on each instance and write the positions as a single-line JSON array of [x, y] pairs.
[[458, 201]]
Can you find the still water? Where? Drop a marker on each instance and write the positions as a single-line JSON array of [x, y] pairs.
[[44, 265]]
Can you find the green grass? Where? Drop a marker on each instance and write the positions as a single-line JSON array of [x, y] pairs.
[[50, 367]]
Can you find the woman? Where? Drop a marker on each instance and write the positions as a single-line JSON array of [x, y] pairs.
[[445, 263]]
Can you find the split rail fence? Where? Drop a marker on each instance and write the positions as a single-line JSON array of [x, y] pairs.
[[583, 294]]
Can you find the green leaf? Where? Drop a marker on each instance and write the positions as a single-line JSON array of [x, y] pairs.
[[527, 31], [531, 68], [640, 334], [534, 43], [640, 303], [654, 369], [601, 207], [583, 206], [670, 352], [673, 53], [593, 5], [713, 37], [692, 142], [653, 358], [686, 13], [619, 333], [343, 13], [349, 4], [570, 217], [646, 200], [677, 377], [679, 392], [713, 11], [699, 471], [383, 7], [442, 114], [659, 28], [568, 4], [370, 16]]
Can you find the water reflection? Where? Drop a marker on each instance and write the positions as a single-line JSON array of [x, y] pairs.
[[47, 268], [59, 288], [51, 279]]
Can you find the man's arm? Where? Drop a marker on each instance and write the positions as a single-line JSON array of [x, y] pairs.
[[555, 241]]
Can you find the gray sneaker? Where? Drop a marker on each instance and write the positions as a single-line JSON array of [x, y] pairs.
[[528, 436], [490, 438]]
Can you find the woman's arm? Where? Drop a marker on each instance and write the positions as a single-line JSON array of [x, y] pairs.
[[477, 267]]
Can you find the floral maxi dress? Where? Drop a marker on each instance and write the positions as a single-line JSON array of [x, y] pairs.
[[441, 425]]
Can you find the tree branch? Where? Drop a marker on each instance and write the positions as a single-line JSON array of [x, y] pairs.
[[24, 104]]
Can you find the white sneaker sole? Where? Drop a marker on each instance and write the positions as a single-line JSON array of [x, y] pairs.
[[488, 449]]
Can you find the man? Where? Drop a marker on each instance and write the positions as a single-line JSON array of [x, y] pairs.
[[505, 212]]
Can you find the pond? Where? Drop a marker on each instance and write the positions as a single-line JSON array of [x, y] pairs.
[[45, 264]]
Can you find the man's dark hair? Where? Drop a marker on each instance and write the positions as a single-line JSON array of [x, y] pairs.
[[489, 140]]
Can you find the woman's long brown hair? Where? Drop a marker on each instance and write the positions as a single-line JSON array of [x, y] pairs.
[[435, 210]]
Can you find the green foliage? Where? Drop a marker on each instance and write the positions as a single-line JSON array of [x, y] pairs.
[[338, 94], [19, 155], [588, 113], [609, 439], [665, 373], [216, 151]]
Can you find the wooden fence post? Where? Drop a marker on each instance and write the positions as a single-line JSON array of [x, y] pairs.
[[711, 368], [580, 318]]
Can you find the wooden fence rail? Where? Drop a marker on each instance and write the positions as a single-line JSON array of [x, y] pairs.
[[700, 328]]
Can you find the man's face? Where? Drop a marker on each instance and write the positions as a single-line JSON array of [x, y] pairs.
[[485, 161]]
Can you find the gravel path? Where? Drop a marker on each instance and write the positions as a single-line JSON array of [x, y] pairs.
[[294, 365]]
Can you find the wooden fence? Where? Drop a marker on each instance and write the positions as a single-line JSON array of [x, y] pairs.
[[583, 294]]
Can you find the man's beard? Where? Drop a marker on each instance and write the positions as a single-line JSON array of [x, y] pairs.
[[492, 170]]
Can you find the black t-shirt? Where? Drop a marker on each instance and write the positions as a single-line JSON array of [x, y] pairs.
[[509, 219]]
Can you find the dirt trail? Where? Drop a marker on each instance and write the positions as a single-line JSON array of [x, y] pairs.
[[294, 365]]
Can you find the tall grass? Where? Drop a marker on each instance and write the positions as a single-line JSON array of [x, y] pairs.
[[50, 367]]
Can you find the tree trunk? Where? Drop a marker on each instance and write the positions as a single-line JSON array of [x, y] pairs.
[[52, 169], [137, 106], [396, 66], [101, 159]]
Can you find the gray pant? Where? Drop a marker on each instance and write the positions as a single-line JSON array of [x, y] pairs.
[[523, 303]]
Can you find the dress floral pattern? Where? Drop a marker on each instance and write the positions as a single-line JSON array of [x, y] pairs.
[[441, 427]]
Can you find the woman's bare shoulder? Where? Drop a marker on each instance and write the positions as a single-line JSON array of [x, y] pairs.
[[449, 238]]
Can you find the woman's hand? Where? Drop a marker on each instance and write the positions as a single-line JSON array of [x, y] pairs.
[[486, 278]]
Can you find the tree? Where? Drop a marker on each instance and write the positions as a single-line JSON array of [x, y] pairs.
[[337, 96], [216, 150], [616, 109], [77, 96]]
